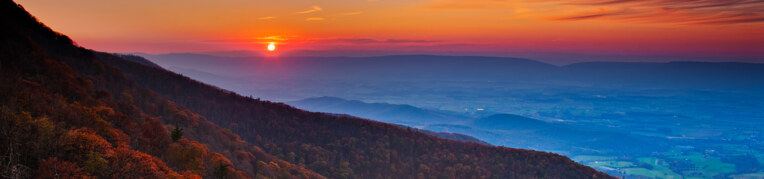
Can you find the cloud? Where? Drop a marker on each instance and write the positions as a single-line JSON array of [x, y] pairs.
[[584, 16], [718, 12], [255, 40], [375, 41], [409, 41], [351, 40], [468, 4], [315, 19], [312, 10], [352, 13], [266, 18], [273, 37], [672, 11], [741, 18]]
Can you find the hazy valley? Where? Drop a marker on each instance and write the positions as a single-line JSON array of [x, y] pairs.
[[640, 119]]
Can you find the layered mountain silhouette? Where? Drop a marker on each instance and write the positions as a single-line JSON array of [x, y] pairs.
[[72, 112], [389, 113], [497, 129], [432, 68]]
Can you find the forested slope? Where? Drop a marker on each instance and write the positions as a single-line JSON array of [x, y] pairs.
[[65, 113]]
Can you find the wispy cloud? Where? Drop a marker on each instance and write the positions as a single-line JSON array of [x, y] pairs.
[[376, 41], [670, 11], [273, 37], [409, 41], [315, 19], [627, 11], [266, 18], [588, 14], [353, 13], [312, 10], [468, 4]]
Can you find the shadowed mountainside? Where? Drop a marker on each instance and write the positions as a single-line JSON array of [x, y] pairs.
[[67, 114]]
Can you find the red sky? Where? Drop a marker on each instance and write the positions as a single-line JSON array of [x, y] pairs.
[[702, 28]]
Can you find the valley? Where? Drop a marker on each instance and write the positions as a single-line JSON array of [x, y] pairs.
[[631, 128]]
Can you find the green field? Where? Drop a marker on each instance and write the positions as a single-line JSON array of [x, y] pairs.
[[706, 167], [759, 175], [661, 173], [698, 165]]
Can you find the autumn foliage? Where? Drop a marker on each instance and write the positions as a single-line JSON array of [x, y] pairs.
[[54, 168], [63, 113]]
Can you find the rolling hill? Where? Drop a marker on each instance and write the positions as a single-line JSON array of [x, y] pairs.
[[388, 113], [497, 129], [383, 112], [523, 132]]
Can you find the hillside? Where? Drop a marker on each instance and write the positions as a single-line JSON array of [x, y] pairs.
[[383, 112], [453, 136], [66, 113], [138, 59], [79, 113]]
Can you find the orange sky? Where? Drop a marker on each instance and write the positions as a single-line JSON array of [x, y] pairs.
[[719, 28]]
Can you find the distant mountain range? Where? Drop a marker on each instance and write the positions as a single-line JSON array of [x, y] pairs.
[[383, 112], [389, 113], [705, 75], [555, 58]]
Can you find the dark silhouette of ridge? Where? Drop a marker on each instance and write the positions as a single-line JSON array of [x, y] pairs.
[[64, 113]]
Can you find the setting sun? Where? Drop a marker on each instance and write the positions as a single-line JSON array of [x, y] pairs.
[[271, 46]]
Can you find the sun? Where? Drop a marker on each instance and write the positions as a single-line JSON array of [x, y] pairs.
[[271, 46]]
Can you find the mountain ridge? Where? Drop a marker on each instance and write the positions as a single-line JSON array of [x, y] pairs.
[[434, 68], [384, 112], [52, 86]]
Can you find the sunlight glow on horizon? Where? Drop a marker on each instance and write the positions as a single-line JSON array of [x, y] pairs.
[[271, 46], [470, 27]]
